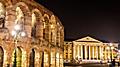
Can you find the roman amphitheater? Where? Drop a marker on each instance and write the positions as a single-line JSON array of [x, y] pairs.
[[30, 35]]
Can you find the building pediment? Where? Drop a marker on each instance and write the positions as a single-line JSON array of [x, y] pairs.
[[88, 39]]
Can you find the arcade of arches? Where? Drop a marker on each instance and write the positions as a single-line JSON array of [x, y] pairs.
[[30, 35]]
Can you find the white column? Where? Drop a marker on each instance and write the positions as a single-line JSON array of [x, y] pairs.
[[81, 51], [96, 52], [105, 57], [93, 52], [74, 51], [100, 52], [78, 51], [89, 53], [85, 52]]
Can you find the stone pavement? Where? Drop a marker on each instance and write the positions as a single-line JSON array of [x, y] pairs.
[[91, 65]]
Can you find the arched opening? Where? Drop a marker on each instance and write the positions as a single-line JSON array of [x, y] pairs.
[[57, 59], [46, 27], [33, 32], [53, 30], [19, 17], [58, 34], [36, 24], [46, 59], [2, 15], [1, 57], [17, 57], [32, 58], [52, 62], [61, 60]]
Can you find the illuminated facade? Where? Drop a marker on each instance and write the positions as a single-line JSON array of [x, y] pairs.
[[30, 35], [88, 49]]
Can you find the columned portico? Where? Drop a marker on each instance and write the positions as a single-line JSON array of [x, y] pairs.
[[91, 50]]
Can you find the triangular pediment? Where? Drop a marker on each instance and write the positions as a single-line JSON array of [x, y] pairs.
[[88, 39]]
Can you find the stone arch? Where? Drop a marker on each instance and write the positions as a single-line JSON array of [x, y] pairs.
[[36, 23], [34, 58], [23, 6], [46, 59], [61, 59], [53, 57], [24, 16], [62, 37], [2, 10], [58, 34], [2, 15], [19, 57], [46, 26], [1, 56], [53, 29], [57, 59]]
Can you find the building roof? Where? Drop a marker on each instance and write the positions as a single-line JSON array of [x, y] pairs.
[[88, 39]]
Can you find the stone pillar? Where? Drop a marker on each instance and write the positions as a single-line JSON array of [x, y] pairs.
[[89, 53], [78, 51], [109, 53], [105, 52], [102, 48], [7, 59], [100, 52], [28, 58], [96, 52], [93, 52], [81, 51], [48, 59], [112, 54], [74, 52], [37, 59], [85, 52]]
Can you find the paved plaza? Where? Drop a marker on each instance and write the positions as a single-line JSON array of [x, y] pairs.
[[92, 65]]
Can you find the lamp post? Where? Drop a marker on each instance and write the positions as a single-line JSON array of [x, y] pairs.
[[17, 32]]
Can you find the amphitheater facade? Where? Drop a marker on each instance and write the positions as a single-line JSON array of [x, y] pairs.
[[30, 35]]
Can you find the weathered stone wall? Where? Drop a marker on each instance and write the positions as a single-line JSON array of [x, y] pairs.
[[54, 34]]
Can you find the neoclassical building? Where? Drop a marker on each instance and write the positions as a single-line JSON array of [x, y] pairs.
[[88, 49], [30, 35]]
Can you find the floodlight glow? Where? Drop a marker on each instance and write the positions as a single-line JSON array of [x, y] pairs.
[[110, 44], [17, 27], [112, 47], [14, 33], [23, 34]]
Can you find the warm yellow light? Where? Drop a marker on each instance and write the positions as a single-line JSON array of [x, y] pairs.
[[23, 34], [52, 26], [107, 48], [110, 44], [19, 13], [14, 33], [33, 19], [44, 25], [17, 27], [112, 47]]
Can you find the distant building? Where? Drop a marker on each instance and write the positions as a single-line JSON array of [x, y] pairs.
[[88, 49]]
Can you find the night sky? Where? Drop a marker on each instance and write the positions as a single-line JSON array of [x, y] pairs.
[[100, 19]]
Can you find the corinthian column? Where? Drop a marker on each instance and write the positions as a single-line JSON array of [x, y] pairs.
[[81, 51], [89, 53], [85, 52], [93, 52]]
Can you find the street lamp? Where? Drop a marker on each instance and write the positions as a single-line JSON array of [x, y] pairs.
[[17, 32]]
